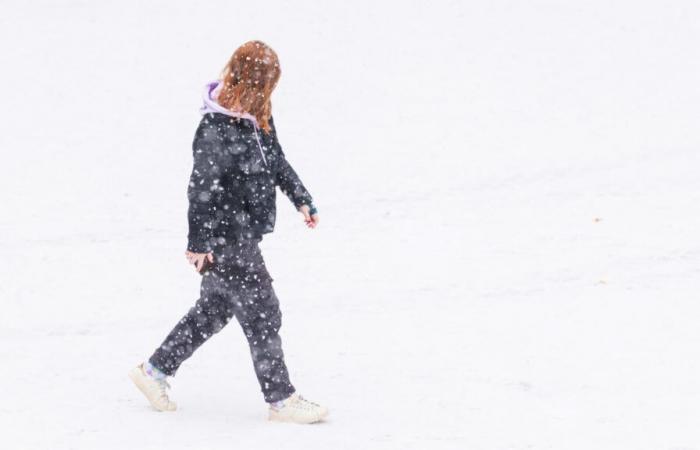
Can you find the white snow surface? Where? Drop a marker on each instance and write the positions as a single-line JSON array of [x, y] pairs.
[[509, 248]]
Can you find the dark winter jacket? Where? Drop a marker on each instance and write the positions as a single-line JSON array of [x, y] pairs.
[[232, 187]]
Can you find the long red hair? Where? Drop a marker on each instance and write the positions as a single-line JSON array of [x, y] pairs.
[[248, 81]]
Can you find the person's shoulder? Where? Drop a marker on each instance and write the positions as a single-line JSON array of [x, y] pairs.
[[211, 128], [214, 119], [217, 123]]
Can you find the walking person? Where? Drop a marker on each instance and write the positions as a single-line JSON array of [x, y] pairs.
[[238, 162]]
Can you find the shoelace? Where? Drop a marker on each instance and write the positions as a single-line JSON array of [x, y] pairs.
[[305, 404], [308, 401]]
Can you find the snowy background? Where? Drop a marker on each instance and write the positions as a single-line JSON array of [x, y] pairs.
[[509, 249]]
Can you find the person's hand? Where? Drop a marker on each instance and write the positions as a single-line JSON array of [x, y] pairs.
[[200, 261], [310, 220]]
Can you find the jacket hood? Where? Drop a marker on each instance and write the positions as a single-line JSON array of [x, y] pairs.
[[210, 94]]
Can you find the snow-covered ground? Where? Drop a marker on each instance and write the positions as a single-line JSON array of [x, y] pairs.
[[509, 253]]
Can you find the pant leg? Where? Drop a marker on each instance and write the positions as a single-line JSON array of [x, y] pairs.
[[260, 317], [257, 310], [208, 316]]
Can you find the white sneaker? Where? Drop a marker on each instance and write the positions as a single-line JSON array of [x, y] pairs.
[[298, 410], [153, 389]]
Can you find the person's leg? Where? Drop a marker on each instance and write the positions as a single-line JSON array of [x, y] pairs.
[[260, 317], [257, 310], [208, 316]]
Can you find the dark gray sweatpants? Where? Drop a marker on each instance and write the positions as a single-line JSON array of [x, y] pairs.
[[237, 285]]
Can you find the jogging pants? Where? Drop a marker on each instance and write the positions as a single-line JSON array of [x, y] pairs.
[[237, 285]]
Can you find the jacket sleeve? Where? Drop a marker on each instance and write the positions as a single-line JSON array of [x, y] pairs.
[[287, 179], [207, 150]]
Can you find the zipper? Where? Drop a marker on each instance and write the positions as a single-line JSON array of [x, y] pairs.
[[257, 139]]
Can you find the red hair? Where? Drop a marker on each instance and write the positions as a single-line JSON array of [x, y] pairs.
[[248, 81]]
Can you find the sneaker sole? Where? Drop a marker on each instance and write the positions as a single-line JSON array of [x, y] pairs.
[[275, 418]]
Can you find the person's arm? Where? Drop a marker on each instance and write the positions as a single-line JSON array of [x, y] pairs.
[[207, 150], [287, 178]]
